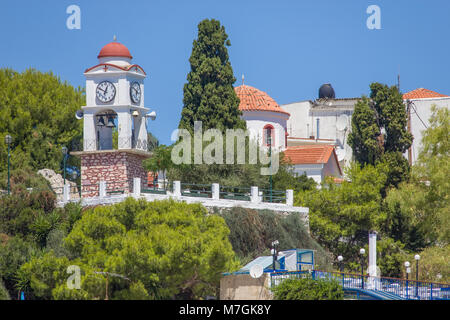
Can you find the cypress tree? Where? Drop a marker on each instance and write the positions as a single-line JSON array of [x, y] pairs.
[[379, 133], [209, 95]]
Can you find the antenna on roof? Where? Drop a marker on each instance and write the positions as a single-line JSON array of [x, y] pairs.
[[242, 79], [398, 79]]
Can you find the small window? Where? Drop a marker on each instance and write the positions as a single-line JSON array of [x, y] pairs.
[[268, 134]]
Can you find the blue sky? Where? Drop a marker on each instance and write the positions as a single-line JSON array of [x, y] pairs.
[[286, 48]]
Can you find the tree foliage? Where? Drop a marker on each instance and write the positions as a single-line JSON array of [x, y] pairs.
[[433, 264], [379, 133], [342, 216], [37, 110], [420, 208], [30, 224], [166, 249], [209, 95]]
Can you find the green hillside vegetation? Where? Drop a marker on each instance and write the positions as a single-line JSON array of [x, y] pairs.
[[162, 250], [38, 110], [252, 232]]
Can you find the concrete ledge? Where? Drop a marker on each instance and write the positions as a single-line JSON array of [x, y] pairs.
[[207, 202], [134, 151]]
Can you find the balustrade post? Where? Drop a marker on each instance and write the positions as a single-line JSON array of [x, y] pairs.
[[215, 191], [431, 291], [254, 198], [290, 197], [136, 187], [102, 189], [177, 188], [66, 192]]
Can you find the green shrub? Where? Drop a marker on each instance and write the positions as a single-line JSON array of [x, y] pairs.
[[308, 289]]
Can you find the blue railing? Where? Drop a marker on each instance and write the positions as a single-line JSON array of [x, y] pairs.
[[386, 288]]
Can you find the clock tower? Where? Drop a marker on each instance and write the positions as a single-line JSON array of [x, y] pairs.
[[114, 123]]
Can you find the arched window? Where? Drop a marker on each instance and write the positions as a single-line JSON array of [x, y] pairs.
[[268, 135]]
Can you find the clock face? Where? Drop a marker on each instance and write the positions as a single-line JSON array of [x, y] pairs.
[[106, 91], [135, 92]]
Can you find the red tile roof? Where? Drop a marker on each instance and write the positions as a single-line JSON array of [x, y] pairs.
[[114, 49], [309, 154], [422, 93], [253, 99]]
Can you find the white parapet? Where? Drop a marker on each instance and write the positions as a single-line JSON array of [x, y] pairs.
[[66, 192], [136, 187], [290, 197], [177, 188], [215, 191], [254, 191], [102, 189]]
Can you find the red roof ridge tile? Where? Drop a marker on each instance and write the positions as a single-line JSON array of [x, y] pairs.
[[253, 99], [422, 93]]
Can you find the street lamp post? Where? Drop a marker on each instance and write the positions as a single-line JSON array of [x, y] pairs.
[[408, 271], [417, 258], [340, 259], [362, 252], [64, 152], [274, 253], [8, 141]]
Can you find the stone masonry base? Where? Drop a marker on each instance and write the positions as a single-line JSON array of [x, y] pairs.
[[116, 167]]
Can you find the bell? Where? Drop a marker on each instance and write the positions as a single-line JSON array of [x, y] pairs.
[[110, 123], [101, 122]]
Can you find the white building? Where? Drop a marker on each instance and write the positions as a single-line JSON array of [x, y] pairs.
[[327, 120], [419, 103], [317, 162], [268, 123], [114, 104]]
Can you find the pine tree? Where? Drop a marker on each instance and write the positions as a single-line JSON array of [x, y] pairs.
[[209, 95], [379, 133]]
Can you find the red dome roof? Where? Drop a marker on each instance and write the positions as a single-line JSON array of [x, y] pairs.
[[114, 49], [253, 99]]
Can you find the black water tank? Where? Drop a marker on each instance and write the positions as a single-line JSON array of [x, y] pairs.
[[326, 91]]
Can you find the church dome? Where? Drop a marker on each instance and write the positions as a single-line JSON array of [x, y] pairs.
[[114, 49], [326, 91], [253, 99]]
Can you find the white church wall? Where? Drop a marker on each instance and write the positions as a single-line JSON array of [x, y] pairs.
[[423, 109], [297, 125], [256, 121]]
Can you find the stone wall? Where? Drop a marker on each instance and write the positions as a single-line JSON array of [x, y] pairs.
[[244, 287], [116, 168], [57, 183]]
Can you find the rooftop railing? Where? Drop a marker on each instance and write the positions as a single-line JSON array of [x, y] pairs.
[[138, 186]]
